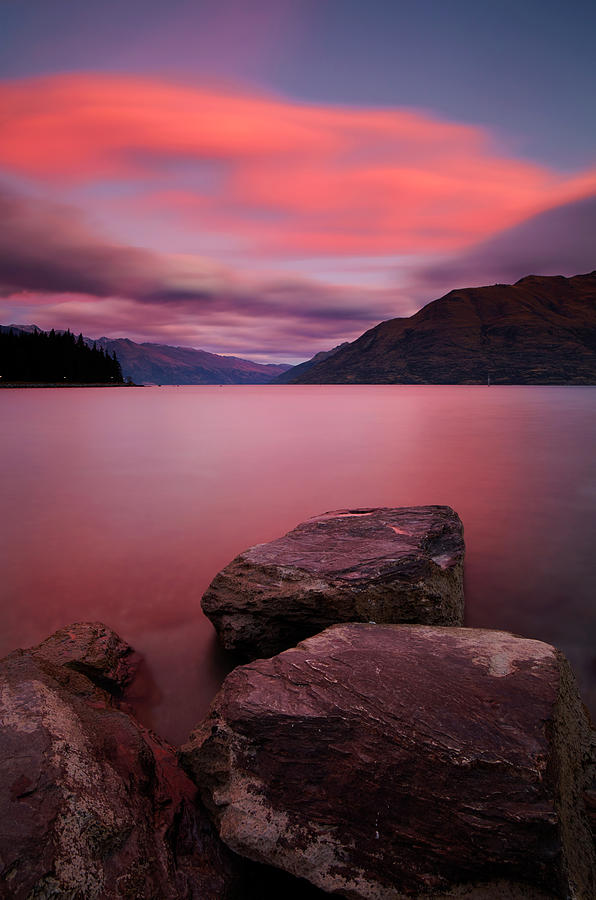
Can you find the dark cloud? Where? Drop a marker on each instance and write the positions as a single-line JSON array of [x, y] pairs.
[[49, 247], [560, 241], [51, 258], [57, 271]]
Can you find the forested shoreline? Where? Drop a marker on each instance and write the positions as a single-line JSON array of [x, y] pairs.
[[41, 357]]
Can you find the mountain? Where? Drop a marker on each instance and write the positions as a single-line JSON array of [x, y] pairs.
[[290, 374], [149, 363], [540, 330], [28, 329]]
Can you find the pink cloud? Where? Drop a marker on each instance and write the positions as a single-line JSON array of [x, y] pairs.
[[278, 185], [293, 179], [56, 271]]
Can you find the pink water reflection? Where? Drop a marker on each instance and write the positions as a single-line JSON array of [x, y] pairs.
[[121, 505]]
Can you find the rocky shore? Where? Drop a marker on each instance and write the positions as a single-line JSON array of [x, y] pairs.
[[93, 804], [381, 759]]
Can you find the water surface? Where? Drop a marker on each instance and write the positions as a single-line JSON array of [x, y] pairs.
[[120, 505]]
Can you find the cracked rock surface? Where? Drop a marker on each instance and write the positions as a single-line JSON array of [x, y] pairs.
[[382, 565], [390, 761], [93, 805]]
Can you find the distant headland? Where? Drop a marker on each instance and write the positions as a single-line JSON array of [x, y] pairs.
[[540, 330]]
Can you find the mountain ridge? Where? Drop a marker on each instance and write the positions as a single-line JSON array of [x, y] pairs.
[[166, 364]]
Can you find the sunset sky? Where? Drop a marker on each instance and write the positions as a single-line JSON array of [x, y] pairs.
[[268, 178]]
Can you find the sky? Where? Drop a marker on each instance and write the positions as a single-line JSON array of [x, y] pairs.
[[271, 178]]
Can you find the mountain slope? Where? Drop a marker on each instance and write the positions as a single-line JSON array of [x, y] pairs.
[[541, 330], [162, 364], [289, 376]]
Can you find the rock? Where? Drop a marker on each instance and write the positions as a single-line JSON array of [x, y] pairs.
[[93, 649], [394, 761], [93, 805], [351, 565]]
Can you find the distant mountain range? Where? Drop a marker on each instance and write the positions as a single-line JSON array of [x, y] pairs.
[[149, 363], [540, 330]]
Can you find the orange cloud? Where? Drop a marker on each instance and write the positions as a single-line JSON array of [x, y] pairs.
[[291, 178]]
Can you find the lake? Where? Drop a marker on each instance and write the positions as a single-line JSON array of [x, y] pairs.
[[121, 504]]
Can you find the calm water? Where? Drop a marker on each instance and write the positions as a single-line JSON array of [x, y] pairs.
[[122, 504]]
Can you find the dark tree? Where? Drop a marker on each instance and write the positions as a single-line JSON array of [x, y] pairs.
[[55, 358]]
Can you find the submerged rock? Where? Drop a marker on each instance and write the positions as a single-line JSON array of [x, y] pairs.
[[393, 761], [92, 804], [358, 565]]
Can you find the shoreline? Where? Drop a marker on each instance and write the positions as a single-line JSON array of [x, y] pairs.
[[34, 384]]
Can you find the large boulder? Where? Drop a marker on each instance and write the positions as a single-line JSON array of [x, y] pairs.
[[351, 565], [93, 805], [95, 650], [393, 761]]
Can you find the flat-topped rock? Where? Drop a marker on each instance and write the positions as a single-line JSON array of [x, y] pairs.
[[350, 565], [389, 761], [93, 805]]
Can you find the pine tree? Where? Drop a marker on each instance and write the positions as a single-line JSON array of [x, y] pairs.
[[55, 357]]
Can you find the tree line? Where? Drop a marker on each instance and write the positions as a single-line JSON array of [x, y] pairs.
[[56, 358]]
